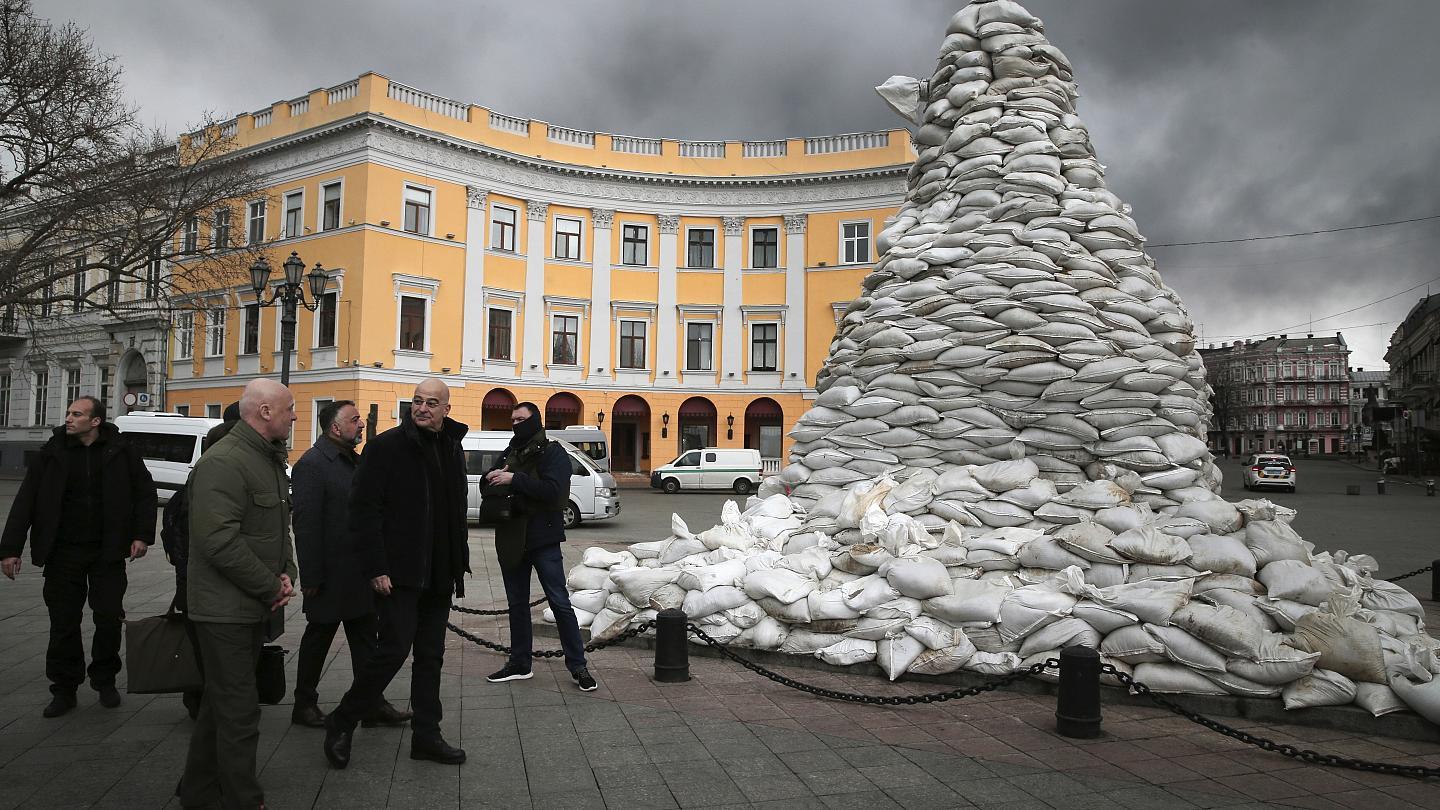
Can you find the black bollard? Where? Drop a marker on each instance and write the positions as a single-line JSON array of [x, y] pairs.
[[672, 650], [1435, 581], [1430, 488], [1380, 487], [1077, 709]]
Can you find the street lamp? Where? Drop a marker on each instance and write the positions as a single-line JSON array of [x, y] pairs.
[[289, 293]]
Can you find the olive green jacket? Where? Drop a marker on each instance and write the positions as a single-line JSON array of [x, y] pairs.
[[239, 529]]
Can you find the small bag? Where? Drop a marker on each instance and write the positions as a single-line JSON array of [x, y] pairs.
[[160, 656], [495, 503], [270, 674]]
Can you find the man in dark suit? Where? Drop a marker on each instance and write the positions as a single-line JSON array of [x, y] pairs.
[[407, 514], [536, 472], [331, 577]]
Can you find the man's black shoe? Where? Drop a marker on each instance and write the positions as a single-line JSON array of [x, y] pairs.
[[191, 699], [109, 696], [337, 743], [436, 749], [387, 715], [60, 704], [308, 715], [510, 673], [582, 677]]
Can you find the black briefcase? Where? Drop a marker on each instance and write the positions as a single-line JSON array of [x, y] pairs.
[[270, 674], [160, 657]]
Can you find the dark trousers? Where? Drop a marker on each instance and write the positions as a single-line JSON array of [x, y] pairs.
[[315, 645], [549, 567], [410, 619], [72, 574], [221, 764]]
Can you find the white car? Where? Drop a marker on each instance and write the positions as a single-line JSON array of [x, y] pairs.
[[1269, 470], [594, 494], [169, 443], [738, 470]]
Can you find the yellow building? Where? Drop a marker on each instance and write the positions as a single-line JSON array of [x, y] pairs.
[[675, 293]]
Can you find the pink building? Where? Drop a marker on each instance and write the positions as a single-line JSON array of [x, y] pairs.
[[1281, 394]]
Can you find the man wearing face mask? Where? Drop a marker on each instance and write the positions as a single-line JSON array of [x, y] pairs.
[[331, 576], [537, 472]]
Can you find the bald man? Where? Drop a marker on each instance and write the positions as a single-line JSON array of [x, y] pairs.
[[241, 570], [407, 515]]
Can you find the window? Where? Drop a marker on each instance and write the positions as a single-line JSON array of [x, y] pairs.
[[192, 234], [319, 405], [499, 337], [256, 228], [4, 400], [183, 410], [691, 459], [567, 238], [699, 341], [215, 332], [294, 214], [112, 286], [173, 447], [330, 207], [72, 385], [1269, 371], [417, 210], [250, 329], [152, 274], [81, 280], [412, 323], [565, 340], [632, 344], [700, 247], [855, 242], [213, 411], [325, 321], [221, 240], [42, 397], [1286, 370], [502, 228], [635, 245], [765, 247], [1335, 418], [47, 293], [1304, 418], [764, 347], [104, 384], [184, 335]]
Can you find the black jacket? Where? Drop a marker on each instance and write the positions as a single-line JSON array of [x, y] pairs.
[[319, 514], [539, 496], [391, 512], [127, 499]]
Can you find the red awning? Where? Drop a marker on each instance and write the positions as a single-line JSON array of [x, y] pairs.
[[630, 407], [697, 408], [764, 408], [498, 400], [563, 403]]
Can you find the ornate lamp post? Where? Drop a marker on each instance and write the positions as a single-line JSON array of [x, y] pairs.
[[289, 293]]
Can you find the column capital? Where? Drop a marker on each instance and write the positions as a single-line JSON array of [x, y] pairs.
[[733, 225], [602, 218], [536, 211], [669, 223], [475, 197], [796, 223]]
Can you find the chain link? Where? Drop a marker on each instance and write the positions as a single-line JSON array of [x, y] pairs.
[[1302, 754], [1417, 572], [499, 612], [625, 635]]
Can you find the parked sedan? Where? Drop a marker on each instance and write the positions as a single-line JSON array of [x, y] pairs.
[[1269, 470]]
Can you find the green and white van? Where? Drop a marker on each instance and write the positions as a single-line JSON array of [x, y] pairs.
[[710, 468]]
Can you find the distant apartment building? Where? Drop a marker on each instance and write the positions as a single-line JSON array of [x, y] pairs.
[[1414, 358], [1282, 394]]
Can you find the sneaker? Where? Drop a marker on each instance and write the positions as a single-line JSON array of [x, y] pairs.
[[60, 704], [109, 696], [510, 672], [582, 677]]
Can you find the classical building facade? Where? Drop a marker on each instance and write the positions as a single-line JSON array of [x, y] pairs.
[[1371, 412], [674, 293], [1281, 394], [1414, 358]]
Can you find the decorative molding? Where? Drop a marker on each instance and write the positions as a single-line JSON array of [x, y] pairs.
[[701, 309], [475, 197], [733, 225], [669, 223], [536, 211], [602, 218], [636, 306], [796, 223], [429, 285]]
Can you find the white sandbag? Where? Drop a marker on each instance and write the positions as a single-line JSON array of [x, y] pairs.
[[1221, 554], [729, 535], [830, 605], [897, 653], [797, 612], [649, 550], [812, 562], [585, 578], [1380, 595], [858, 500], [1002, 663], [639, 584], [746, 616], [1095, 495], [1320, 688], [698, 604], [848, 652], [1346, 645], [1150, 545], [1152, 601], [1221, 517], [1224, 628], [667, 597], [1123, 518], [1422, 698], [868, 592], [1284, 612], [608, 624], [1103, 618], [1243, 687], [778, 584], [597, 557], [766, 634], [1271, 540], [1006, 475], [775, 506], [1090, 541], [1183, 648], [805, 642], [619, 604], [933, 633], [1030, 608], [1046, 552], [1276, 662], [678, 548], [916, 577], [1172, 679], [1378, 699], [970, 601], [1068, 632], [718, 629], [943, 661], [591, 600], [730, 572], [1299, 581]]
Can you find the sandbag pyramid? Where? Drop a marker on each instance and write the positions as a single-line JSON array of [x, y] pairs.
[[1007, 454]]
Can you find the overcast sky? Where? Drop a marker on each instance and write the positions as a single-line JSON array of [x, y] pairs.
[[1218, 119]]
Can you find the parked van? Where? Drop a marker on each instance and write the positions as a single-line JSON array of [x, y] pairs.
[[710, 468], [169, 443], [593, 494], [589, 440]]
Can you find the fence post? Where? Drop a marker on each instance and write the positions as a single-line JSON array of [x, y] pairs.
[[672, 650], [1077, 709], [1380, 487]]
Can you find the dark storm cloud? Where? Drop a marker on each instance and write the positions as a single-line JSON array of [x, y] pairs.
[[1218, 119]]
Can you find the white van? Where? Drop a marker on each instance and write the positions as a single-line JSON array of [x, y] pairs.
[[593, 494], [589, 440], [169, 443], [710, 468]]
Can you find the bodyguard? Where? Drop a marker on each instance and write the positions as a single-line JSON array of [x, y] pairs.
[[88, 504]]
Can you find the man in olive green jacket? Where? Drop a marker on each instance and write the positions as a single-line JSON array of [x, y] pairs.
[[241, 570]]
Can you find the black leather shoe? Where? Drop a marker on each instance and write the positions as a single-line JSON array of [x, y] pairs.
[[109, 696], [337, 743], [436, 749], [60, 704], [387, 715], [308, 715], [191, 699]]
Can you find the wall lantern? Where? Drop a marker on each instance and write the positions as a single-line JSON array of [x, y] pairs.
[[730, 426], [599, 417], [664, 422]]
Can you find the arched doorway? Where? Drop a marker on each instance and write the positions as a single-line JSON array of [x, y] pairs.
[[134, 379], [562, 411], [495, 410], [630, 434], [764, 431], [697, 424]]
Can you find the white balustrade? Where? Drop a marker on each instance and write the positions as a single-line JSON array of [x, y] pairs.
[[343, 92], [702, 149], [635, 146], [428, 101], [509, 123], [764, 149], [262, 119], [572, 137], [853, 142]]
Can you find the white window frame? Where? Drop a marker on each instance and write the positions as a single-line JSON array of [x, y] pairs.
[[185, 335], [579, 345], [216, 231], [645, 229], [320, 205], [686, 344], [40, 404], [7, 391], [192, 234], [619, 342], [751, 258], [216, 408], [778, 338], [714, 249], [510, 347], [429, 302], [286, 209], [406, 187], [250, 220], [315, 324], [579, 237], [498, 230], [72, 384], [245, 313], [849, 246], [215, 331], [315, 406]]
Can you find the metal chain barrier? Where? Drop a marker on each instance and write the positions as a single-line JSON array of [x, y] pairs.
[[626, 635], [1417, 572], [1302, 754], [874, 700], [500, 612]]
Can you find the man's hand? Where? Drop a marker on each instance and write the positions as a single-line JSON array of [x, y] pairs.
[[498, 478], [137, 549], [382, 585], [282, 597], [10, 566]]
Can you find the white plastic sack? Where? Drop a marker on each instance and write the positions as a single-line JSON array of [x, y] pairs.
[[778, 584], [1175, 679], [1320, 688], [975, 600], [703, 578], [1347, 646], [848, 652], [699, 604], [1295, 580], [897, 653], [1224, 628], [917, 577], [597, 557]]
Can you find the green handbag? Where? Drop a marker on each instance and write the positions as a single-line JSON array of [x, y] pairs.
[[160, 656]]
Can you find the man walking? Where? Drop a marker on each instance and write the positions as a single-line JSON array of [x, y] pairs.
[[331, 576], [537, 472], [241, 567], [407, 512], [87, 504]]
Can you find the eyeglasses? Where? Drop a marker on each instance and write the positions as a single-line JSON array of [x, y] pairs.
[[431, 403]]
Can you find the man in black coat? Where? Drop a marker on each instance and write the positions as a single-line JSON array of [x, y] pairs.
[[536, 472], [407, 515], [87, 504]]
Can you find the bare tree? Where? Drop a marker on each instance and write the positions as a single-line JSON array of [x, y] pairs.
[[97, 212]]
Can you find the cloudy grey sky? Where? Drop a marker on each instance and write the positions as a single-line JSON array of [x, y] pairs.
[[1218, 119]]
